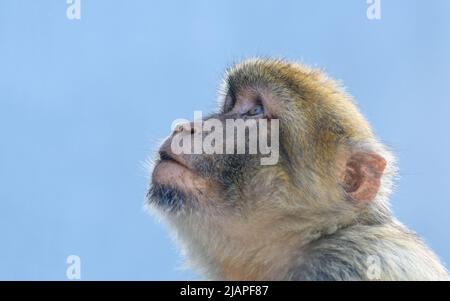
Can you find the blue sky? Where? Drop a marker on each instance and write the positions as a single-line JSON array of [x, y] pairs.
[[84, 102]]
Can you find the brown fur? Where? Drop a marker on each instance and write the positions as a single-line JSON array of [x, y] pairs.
[[316, 215]]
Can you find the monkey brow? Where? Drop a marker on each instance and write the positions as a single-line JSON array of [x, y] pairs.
[[230, 100]]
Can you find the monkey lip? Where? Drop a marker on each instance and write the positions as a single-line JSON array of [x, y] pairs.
[[169, 169], [166, 156], [173, 171]]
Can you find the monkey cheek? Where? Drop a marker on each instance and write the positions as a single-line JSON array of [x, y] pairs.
[[168, 173]]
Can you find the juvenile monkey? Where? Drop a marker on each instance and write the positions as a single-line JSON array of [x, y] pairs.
[[320, 213]]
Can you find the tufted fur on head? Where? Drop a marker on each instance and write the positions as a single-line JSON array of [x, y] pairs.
[[321, 213]]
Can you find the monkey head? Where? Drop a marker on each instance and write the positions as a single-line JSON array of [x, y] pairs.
[[330, 170]]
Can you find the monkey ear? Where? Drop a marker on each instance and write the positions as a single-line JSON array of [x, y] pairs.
[[362, 176]]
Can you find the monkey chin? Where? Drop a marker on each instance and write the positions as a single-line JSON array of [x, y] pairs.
[[175, 187]]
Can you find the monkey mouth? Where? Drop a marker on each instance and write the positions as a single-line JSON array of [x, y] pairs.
[[175, 184], [171, 168], [165, 156]]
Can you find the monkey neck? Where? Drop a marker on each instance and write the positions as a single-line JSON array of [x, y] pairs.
[[259, 253], [262, 247], [258, 261], [270, 257]]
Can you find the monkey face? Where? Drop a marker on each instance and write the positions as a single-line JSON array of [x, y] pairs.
[[227, 201], [319, 162], [212, 178], [233, 182]]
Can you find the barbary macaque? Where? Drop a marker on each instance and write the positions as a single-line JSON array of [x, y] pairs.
[[319, 211]]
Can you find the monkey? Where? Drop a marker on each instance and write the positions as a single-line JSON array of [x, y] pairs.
[[321, 213]]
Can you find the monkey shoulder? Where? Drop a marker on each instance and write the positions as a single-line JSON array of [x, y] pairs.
[[368, 252]]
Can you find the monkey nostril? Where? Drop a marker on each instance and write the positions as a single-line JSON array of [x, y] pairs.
[[186, 128], [163, 155], [180, 128]]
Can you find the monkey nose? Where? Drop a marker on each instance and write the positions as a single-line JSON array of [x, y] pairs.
[[187, 128], [166, 154]]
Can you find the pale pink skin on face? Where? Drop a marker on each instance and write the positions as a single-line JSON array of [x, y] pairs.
[[180, 176]]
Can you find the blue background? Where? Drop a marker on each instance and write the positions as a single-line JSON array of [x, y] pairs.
[[84, 103]]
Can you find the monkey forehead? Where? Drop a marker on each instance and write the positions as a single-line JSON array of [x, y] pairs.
[[268, 73], [316, 97], [285, 83]]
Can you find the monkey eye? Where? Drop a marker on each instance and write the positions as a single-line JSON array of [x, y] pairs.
[[255, 111]]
